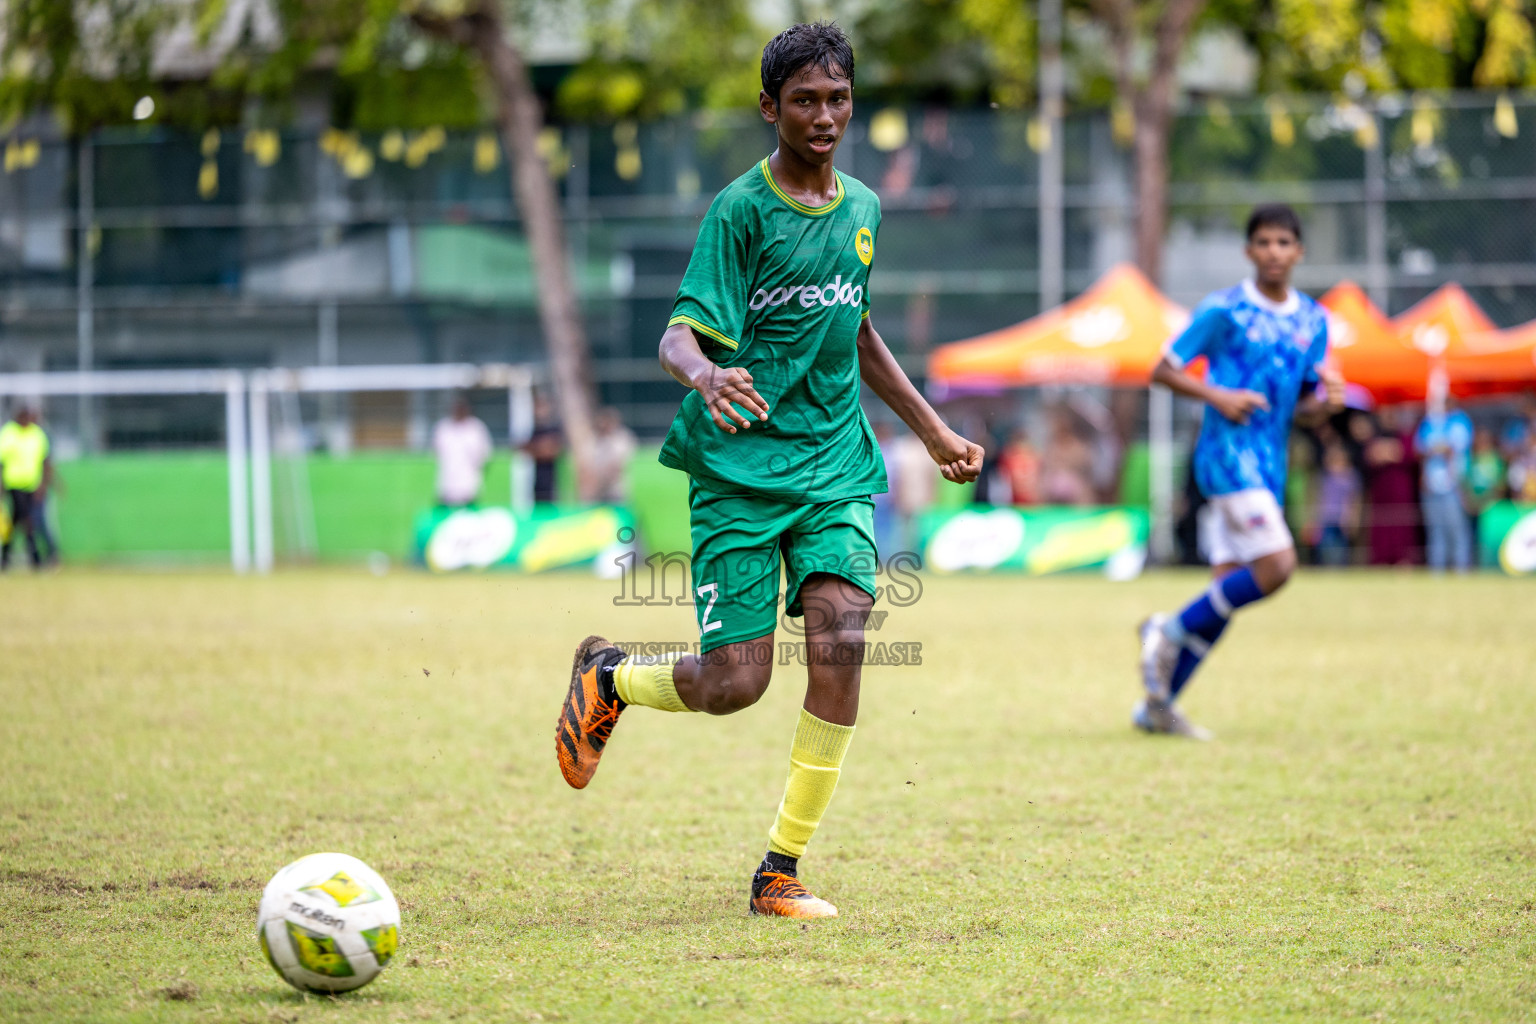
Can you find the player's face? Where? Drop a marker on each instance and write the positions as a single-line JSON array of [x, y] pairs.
[[812, 113], [1274, 251]]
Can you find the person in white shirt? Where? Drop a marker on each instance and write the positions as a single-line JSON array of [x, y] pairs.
[[463, 446], [614, 447]]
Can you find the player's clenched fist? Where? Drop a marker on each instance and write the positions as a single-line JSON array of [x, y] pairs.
[[724, 388], [959, 460]]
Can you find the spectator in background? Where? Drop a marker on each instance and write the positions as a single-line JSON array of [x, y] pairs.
[[1517, 430], [544, 446], [1484, 483], [1392, 487], [1443, 440], [913, 487], [1019, 467], [463, 446], [26, 473], [1522, 473], [614, 446], [1066, 468], [1338, 506]]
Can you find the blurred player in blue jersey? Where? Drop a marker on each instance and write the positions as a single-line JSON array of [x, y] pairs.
[[1265, 345]]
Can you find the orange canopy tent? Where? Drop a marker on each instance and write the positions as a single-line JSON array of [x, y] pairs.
[[1447, 331], [1444, 323], [1368, 348], [1501, 361], [1460, 340], [1113, 333]]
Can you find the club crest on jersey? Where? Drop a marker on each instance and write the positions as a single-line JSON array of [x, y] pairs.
[[864, 245]]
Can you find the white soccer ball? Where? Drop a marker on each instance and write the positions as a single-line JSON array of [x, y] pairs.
[[328, 923]]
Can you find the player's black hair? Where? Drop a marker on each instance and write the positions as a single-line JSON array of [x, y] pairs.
[[800, 46], [1274, 215]]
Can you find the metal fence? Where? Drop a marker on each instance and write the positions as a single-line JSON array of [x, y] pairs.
[[150, 249]]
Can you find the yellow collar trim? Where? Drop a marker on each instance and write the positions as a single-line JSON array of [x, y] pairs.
[[795, 204]]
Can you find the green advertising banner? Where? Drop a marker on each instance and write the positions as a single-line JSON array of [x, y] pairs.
[[485, 537], [1506, 535], [1036, 541]]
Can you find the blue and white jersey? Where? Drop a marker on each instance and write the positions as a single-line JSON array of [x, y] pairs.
[[1252, 344]]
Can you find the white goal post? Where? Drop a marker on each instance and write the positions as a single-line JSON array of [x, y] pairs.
[[248, 420]]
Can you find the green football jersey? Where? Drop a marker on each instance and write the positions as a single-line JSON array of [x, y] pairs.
[[780, 289]]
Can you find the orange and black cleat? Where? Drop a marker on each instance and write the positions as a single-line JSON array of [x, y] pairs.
[[782, 895], [590, 712]]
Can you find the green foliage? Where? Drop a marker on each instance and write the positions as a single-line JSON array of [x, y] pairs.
[[655, 57], [956, 50], [386, 73], [1379, 45], [87, 60]]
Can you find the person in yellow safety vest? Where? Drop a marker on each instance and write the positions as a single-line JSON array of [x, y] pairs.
[[26, 473]]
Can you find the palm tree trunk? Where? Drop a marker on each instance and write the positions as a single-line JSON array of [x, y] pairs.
[[519, 119], [1152, 104]]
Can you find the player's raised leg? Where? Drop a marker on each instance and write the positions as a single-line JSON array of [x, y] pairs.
[[605, 681], [835, 613], [1178, 643]]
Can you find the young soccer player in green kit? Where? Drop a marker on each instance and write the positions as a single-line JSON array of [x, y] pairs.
[[771, 332]]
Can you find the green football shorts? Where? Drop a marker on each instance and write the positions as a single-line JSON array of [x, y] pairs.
[[739, 542]]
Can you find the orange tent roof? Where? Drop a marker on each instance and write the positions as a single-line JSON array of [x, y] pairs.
[[1368, 348], [1111, 334], [1494, 361], [1443, 323]]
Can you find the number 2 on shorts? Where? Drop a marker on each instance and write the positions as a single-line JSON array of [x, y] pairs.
[[712, 591]]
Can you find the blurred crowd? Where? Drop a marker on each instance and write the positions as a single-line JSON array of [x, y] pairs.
[[1396, 485], [1403, 485]]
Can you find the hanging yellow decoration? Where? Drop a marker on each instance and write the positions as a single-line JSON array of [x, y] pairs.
[[487, 153], [626, 163], [1281, 128], [21, 154], [1424, 125], [888, 129], [211, 143], [1367, 136], [1122, 123], [1504, 120], [392, 145], [551, 146], [423, 144], [358, 163], [208, 179], [264, 145], [335, 142], [1038, 135]]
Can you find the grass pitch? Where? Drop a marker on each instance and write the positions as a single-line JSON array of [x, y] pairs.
[[1358, 843]]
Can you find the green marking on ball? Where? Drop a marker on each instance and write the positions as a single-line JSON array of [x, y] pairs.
[[318, 953], [383, 941]]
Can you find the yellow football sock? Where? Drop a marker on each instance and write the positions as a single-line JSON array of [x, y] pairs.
[[815, 761], [648, 682]]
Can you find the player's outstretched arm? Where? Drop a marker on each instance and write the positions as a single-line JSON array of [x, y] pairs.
[[959, 460], [1233, 403], [723, 388]]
